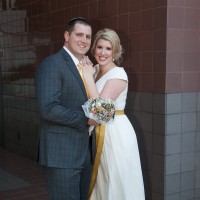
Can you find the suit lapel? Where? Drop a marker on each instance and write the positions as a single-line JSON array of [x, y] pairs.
[[74, 70]]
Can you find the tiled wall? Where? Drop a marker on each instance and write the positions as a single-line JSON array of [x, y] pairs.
[[161, 43], [183, 46], [1, 113], [168, 131], [182, 169]]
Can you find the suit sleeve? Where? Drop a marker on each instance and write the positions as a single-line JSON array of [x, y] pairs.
[[48, 94]]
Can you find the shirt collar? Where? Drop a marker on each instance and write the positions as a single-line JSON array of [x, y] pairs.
[[76, 61]]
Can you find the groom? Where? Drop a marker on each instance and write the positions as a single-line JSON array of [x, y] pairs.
[[64, 143]]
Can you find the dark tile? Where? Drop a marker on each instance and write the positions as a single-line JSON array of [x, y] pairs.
[[146, 121], [110, 22], [84, 10], [146, 142], [159, 62], [134, 22], [159, 3], [75, 10], [160, 18], [123, 27], [146, 101], [159, 123], [159, 82], [112, 7], [134, 81], [147, 62], [134, 62], [75, 2], [158, 144], [158, 164], [147, 4], [147, 20], [93, 10], [159, 103], [123, 6], [158, 183], [146, 82], [134, 6], [159, 40], [146, 39], [61, 4], [135, 42]]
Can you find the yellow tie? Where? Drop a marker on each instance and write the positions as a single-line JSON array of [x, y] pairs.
[[80, 69]]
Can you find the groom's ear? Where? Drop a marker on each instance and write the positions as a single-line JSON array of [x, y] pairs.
[[66, 36]]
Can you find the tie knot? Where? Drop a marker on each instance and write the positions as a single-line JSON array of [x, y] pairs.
[[79, 66]]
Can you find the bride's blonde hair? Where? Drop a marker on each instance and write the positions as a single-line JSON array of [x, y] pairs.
[[111, 36]]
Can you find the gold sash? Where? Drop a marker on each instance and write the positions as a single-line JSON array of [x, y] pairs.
[[100, 132]]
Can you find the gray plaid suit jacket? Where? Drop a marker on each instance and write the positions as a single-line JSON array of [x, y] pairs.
[[63, 139]]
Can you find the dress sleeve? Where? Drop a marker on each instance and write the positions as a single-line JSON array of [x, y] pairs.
[[118, 73]]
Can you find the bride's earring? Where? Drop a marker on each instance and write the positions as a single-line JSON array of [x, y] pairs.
[[113, 59]]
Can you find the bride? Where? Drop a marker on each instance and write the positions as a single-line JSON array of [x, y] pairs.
[[117, 171]]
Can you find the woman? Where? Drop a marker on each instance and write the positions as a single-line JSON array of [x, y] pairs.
[[119, 175]]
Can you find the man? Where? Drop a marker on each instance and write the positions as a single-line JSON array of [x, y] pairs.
[[64, 142]]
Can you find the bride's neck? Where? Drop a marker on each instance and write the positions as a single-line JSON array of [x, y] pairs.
[[104, 69]]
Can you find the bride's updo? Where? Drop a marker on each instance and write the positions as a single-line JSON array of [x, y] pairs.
[[111, 36]]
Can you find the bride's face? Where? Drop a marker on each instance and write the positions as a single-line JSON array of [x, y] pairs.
[[103, 52]]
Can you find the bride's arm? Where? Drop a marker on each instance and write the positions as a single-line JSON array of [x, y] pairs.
[[90, 83], [111, 90]]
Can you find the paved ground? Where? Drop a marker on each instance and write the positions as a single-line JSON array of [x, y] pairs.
[[20, 178]]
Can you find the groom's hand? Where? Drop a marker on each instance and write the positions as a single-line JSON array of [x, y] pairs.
[[92, 122]]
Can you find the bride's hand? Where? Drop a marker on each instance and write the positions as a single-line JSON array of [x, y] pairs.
[[88, 68], [87, 61]]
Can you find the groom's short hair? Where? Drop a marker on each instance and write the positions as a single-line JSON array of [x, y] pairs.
[[76, 20]]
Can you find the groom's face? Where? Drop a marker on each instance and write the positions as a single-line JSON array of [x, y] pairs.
[[79, 40]]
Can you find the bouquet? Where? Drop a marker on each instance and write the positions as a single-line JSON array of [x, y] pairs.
[[102, 110]]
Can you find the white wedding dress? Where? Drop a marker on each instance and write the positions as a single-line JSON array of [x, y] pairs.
[[119, 174]]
